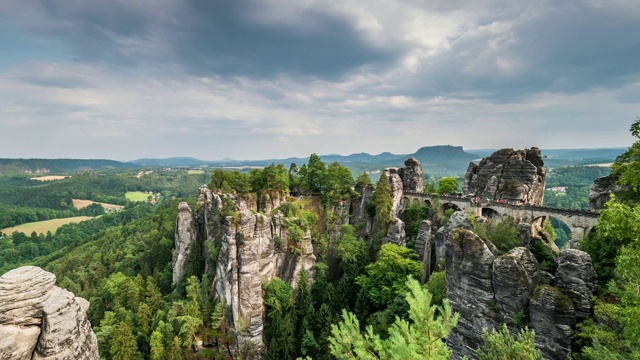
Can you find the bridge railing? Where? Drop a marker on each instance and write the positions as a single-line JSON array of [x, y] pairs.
[[541, 208]]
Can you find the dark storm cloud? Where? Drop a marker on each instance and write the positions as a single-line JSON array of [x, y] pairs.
[[220, 38], [204, 38], [565, 47]]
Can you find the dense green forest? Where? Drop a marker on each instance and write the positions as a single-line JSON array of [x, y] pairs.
[[24, 200], [576, 180], [361, 301]]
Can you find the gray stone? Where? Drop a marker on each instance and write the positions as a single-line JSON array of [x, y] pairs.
[[395, 233], [577, 278], [552, 317], [469, 274], [411, 175], [185, 236], [517, 176], [39, 320], [423, 248], [601, 190], [515, 276]]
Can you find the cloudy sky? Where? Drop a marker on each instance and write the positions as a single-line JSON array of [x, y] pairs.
[[247, 79]]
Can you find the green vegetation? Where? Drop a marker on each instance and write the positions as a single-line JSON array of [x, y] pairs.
[[43, 227], [448, 186], [422, 338], [501, 345], [138, 196]]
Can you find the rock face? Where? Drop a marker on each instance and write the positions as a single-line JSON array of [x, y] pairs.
[[397, 189], [470, 292], [488, 289], [517, 176], [360, 204], [411, 175], [553, 319], [395, 233], [254, 248], [39, 320], [601, 190], [184, 237], [423, 248], [577, 279]]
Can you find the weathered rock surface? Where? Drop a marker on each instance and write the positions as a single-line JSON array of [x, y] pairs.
[[577, 279], [411, 175], [396, 189], [255, 248], [517, 176], [423, 248], [487, 288], [395, 233], [469, 274], [552, 317], [39, 320], [359, 207], [270, 200], [601, 190], [515, 276], [185, 236]]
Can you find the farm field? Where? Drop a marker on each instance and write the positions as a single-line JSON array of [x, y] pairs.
[[41, 227], [195, 172], [79, 204], [49, 178], [137, 196]]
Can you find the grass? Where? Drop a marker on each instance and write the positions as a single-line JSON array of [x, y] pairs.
[[195, 172], [79, 204], [137, 196], [49, 178], [41, 227]]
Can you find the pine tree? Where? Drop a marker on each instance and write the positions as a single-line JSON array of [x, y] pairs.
[[123, 343], [157, 346], [501, 345]]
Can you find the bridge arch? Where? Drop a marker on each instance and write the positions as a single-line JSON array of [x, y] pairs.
[[446, 206], [492, 214]]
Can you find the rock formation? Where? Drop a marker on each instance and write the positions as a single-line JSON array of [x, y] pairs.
[[184, 237], [423, 248], [411, 175], [39, 320], [553, 319], [397, 190], [517, 176], [577, 279], [395, 233], [488, 288], [255, 246], [601, 190]]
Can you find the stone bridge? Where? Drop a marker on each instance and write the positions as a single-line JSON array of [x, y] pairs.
[[580, 222]]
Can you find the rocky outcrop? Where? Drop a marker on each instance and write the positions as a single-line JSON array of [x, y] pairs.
[[577, 279], [469, 275], [270, 200], [552, 317], [423, 248], [255, 247], [515, 276], [359, 206], [184, 237], [397, 190], [517, 176], [395, 233], [39, 320], [411, 175], [601, 190], [487, 288]]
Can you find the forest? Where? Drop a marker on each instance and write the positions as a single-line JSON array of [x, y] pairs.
[[362, 300]]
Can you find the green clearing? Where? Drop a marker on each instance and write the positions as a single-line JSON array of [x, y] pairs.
[[137, 196], [41, 227]]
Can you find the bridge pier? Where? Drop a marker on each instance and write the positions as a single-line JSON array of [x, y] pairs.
[[577, 234]]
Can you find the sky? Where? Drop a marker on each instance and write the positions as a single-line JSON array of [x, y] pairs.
[[248, 79]]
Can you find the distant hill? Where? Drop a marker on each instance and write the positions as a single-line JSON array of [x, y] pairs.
[[171, 162], [59, 165]]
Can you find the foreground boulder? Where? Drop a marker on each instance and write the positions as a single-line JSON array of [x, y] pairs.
[[39, 320]]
